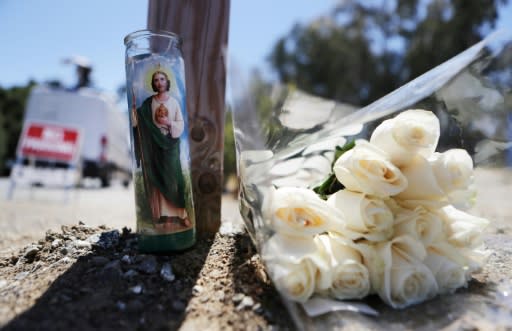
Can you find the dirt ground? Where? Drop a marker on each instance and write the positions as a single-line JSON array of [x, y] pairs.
[[75, 279], [59, 275], [64, 275]]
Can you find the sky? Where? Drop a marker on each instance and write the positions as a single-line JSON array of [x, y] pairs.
[[35, 36]]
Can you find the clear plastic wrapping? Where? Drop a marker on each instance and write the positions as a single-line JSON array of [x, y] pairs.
[[287, 138]]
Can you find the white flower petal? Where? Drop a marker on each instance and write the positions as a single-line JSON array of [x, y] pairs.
[[367, 169], [294, 281], [448, 266], [300, 212], [422, 183], [453, 169], [419, 223], [296, 265], [410, 133], [368, 216], [405, 280], [464, 230], [349, 276], [286, 248]]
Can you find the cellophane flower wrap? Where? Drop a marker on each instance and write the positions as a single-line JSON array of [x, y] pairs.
[[345, 203]]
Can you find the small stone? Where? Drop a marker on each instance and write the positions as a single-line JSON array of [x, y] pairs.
[[166, 272], [247, 302], [31, 251], [108, 239], [50, 235], [197, 289], [257, 308], [126, 259], [81, 223], [13, 259], [65, 229], [203, 299], [82, 244], [65, 260], [99, 261], [137, 289], [21, 275], [238, 297], [3, 283], [93, 239], [56, 243], [148, 265]]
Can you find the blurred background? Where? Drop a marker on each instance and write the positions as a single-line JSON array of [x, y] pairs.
[[350, 51]]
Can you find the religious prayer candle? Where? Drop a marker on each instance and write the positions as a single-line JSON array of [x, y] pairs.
[[155, 82]]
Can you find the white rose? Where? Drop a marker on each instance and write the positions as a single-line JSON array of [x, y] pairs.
[[464, 230], [419, 223], [453, 170], [296, 266], [370, 217], [422, 184], [296, 281], [349, 276], [397, 273], [448, 266], [410, 133], [299, 212], [367, 169], [444, 178]]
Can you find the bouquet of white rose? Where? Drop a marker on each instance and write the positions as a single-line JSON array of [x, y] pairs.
[[343, 203], [390, 220]]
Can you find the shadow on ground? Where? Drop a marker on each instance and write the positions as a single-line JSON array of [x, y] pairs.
[[117, 288], [63, 282]]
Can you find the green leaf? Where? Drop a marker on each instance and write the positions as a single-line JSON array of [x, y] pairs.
[[331, 184], [339, 151]]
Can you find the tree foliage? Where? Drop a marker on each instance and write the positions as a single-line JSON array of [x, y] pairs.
[[12, 109], [363, 50]]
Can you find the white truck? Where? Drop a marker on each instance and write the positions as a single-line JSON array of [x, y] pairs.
[[105, 145]]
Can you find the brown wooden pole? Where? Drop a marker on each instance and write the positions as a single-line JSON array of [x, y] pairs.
[[203, 25]]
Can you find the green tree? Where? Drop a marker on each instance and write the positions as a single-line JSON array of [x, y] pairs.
[[12, 109], [363, 50]]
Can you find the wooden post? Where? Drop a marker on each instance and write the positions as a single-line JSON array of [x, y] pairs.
[[203, 25]]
